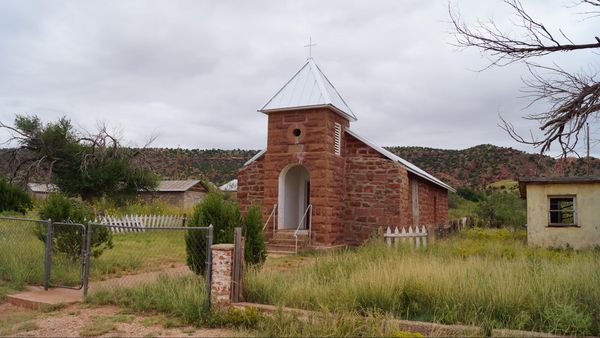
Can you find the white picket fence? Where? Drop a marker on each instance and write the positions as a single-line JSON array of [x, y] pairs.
[[417, 237], [138, 223]]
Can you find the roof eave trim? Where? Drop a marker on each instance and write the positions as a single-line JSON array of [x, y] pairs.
[[327, 105], [255, 157], [400, 160]]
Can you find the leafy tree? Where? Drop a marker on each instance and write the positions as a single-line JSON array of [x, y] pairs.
[[223, 215], [573, 98], [13, 198], [68, 238], [468, 194], [501, 209], [80, 164], [255, 250]]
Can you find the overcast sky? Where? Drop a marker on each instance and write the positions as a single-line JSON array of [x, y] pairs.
[[193, 73]]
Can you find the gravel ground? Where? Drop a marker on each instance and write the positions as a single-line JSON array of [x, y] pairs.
[[105, 321]]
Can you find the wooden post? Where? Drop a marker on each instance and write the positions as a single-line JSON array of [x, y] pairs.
[[238, 266]]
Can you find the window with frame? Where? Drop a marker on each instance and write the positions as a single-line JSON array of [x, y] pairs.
[[562, 211]]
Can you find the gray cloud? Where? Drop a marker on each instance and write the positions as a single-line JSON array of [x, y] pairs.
[[194, 72]]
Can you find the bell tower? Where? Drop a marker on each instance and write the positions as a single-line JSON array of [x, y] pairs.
[[304, 160]]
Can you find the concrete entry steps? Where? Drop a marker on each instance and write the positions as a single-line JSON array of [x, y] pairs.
[[284, 242], [35, 297]]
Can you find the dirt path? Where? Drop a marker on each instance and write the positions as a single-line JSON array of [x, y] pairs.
[[105, 321], [131, 280]]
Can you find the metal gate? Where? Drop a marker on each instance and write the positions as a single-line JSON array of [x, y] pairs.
[[32, 252], [66, 255], [62, 255]]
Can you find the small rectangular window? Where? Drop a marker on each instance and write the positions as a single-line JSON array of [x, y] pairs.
[[562, 211], [338, 139]]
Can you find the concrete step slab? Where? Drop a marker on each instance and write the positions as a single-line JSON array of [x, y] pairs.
[[35, 297]]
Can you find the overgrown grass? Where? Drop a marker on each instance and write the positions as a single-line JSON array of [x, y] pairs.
[[22, 256], [343, 324], [181, 296], [485, 278], [181, 300], [136, 252]]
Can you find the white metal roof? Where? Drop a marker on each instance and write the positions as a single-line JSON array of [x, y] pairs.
[[230, 186], [44, 188], [256, 157], [308, 88], [174, 185], [409, 166]]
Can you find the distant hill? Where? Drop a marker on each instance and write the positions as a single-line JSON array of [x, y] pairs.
[[478, 166], [485, 164]]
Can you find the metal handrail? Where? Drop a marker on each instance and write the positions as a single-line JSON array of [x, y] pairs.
[[300, 224], [273, 212]]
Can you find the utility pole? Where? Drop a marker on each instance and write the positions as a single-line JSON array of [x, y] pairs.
[[587, 134]]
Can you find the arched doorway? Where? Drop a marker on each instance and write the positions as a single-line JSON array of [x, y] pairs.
[[294, 196]]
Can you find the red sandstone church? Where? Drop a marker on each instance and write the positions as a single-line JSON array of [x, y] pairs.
[[320, 181]]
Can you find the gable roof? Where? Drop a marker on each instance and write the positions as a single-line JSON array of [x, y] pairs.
[[42, 188], [230, 186], [256, 157], [409, 166], [176, 185], [308, 88]]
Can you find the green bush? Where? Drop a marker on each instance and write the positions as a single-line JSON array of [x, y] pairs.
[[224, 217], [13, 198], [501, 209], [255, 250], [67, 238]]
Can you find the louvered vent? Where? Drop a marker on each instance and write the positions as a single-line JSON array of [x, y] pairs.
[[338, 139]]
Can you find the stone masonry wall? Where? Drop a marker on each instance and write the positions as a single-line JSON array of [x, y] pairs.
[[376, 192], [251, 187], [433, 203], [314, 149], [353, 194]]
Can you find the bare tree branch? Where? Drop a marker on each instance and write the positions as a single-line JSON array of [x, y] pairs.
[[573, 98]]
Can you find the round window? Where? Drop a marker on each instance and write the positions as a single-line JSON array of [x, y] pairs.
[[297, 132]]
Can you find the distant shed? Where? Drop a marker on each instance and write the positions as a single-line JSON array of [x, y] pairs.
[[180, 193], [562, 210], [41, 190]]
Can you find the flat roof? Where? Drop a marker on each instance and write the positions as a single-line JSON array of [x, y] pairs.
[[523, 181]]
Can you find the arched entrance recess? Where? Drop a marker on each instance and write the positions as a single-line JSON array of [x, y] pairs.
[[294, 196]]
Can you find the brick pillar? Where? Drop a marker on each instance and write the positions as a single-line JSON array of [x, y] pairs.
[[222, 267]]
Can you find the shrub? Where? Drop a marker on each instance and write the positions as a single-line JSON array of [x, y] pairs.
[[255, 251], [223, 215], [68, 239], [502, 209], [13, 198]]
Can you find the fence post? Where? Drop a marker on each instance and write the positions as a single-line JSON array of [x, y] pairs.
[[238, 266], [48, 254], [86, 270], [208, 272]]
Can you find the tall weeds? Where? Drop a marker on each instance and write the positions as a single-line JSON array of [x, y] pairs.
[[481, 276]]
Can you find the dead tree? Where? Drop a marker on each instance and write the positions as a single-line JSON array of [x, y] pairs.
[[574, 98]]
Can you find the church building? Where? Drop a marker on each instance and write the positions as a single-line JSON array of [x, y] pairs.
[[321, 184]]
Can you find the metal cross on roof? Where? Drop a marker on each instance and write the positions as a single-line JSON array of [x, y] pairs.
[[309, 46]]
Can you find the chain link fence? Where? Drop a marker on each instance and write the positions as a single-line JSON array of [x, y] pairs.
[[148, 257], [22, 251], [101, 257]]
